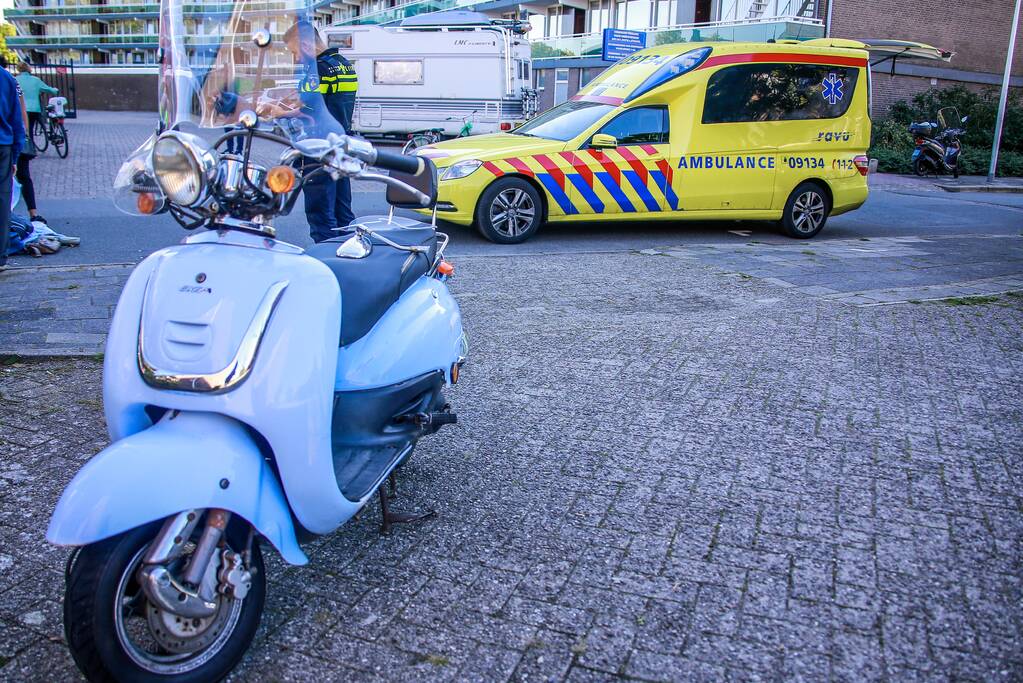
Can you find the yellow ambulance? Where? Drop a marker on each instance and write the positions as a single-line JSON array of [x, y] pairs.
[[693, 131]]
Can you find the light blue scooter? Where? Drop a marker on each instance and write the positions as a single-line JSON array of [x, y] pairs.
[[252, 390]]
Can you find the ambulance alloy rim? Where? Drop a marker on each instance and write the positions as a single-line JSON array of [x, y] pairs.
[[808, 212], [512, 212]]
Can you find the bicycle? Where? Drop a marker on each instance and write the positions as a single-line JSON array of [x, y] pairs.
[[51, 129], [428, 137]]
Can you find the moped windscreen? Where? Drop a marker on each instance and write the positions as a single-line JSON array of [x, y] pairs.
[[265, 57], [948, 117]]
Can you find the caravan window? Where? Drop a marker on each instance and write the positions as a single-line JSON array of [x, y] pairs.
[[778, 92], [398, 71]]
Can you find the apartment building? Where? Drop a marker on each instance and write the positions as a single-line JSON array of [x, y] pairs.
[[566, 34]]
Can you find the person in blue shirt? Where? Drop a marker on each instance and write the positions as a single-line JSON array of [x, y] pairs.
[[12, 137]]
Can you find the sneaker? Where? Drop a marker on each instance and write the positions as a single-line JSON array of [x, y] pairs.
[[39, 218]]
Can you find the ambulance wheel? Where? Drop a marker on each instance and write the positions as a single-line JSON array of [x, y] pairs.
[[509, 212], [806, 211]]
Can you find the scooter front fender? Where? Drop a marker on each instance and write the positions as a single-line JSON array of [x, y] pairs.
[[186, 460]]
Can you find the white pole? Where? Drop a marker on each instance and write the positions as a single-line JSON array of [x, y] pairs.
[[1005, 94]]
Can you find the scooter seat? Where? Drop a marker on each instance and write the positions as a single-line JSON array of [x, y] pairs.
[[370, 285]]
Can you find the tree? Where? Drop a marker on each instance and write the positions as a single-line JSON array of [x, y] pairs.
[[7, 30]]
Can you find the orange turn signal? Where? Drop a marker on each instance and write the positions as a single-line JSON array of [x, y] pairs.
[[281, 179], [146, 202], [446, 269]]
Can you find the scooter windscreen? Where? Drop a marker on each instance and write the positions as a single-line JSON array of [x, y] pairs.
[[259, 58], [259, 65]]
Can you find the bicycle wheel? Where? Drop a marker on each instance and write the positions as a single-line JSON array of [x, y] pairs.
[[39, 136], [416, 141], [60, 142]]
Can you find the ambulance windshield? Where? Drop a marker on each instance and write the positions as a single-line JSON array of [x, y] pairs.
[[565, 121], [250, 55]]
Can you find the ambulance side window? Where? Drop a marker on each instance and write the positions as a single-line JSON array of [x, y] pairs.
[[778, 92], [639, 126]]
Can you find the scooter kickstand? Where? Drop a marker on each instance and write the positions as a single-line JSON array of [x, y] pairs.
[[392, 480], [389, 518]]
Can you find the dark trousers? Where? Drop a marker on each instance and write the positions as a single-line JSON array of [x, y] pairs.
[[6, 170], [34, 117], [328, 205], [28, 190]]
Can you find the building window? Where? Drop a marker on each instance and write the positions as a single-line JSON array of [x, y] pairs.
[[599, 16], [560, 85], [541, 78], [636, 14], [666, 10], [778, 92], [554, 22]]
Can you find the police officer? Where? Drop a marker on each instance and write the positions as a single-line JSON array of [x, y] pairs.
[[328, 202]]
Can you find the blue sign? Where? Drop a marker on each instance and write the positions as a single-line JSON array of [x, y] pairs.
[[619, 43]]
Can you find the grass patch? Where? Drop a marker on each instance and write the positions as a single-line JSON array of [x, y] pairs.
[[433, 660], [808, 252], [969, 300], [915, 301]]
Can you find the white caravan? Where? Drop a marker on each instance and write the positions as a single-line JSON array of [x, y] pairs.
[[469, 76]]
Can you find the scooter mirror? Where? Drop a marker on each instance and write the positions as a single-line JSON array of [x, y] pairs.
[[355, 247]]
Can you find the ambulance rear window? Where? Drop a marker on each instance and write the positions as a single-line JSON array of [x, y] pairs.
[[778, 92]]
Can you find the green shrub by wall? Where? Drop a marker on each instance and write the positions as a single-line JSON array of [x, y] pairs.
[[892, 145]]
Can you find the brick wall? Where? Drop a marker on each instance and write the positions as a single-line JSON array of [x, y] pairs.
[[978, 32]]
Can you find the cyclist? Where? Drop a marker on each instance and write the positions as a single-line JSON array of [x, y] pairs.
[[33, 87]]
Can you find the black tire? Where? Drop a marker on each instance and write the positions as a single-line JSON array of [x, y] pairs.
[[518, 219], [923, 166], [806, 211], [60, 142], [419, 140], [93, 581], [39, 136]]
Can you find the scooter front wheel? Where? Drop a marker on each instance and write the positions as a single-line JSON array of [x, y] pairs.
[[116, 634]]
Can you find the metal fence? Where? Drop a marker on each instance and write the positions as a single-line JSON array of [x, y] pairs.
[[60, 75]]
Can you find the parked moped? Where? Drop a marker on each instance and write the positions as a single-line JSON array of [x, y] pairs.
[[253, 391], [937, 143]]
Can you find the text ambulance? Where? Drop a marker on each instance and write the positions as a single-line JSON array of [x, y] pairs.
[[775, 131]]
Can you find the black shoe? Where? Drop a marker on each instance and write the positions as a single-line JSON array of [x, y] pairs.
[[39, 218]]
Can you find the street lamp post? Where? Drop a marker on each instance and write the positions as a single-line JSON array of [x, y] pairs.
[[1004, 95]]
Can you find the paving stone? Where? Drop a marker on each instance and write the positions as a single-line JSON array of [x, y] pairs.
[[677, 495]]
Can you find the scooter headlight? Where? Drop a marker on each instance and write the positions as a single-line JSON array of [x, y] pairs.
[[461, 169], [183, 165]]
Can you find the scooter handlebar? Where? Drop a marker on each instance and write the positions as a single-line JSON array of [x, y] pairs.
[[397, 162]]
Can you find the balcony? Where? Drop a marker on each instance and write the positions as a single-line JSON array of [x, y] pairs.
[[140, 11], [83, 42], [589, 45]]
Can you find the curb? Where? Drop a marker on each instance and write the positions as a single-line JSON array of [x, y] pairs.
[[1009, 189]]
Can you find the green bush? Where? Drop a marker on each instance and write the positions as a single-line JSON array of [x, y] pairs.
[[892, 145]]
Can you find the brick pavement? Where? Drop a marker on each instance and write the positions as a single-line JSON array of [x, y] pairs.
[[659, 473]]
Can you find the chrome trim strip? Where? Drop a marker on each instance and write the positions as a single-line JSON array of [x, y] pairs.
[[234, 373]]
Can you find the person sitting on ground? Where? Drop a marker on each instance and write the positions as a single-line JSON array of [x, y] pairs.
[[33, 87]]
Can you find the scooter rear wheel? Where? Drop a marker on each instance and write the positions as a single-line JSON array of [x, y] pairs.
[[923, 167], [115, 634]]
